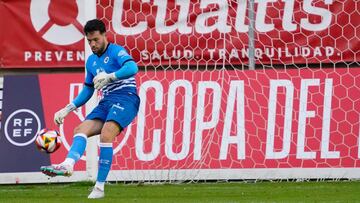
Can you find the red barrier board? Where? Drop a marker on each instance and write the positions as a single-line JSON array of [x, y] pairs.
[[299, 118]]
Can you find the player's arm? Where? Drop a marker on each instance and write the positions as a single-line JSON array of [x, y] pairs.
[[84, 96], [128, 69]]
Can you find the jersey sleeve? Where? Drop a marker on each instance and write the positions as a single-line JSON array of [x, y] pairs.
[[83, 96], [121, 56], [88, 75]]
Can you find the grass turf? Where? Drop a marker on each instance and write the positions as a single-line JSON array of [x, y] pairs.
[[342, 191]]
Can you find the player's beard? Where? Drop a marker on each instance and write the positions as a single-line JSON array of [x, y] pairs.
[[101, 50]]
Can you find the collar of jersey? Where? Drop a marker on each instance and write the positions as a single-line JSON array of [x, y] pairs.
[[104, 50]]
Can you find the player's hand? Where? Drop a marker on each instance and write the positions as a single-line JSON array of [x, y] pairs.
[[60, 115], [103, 79]]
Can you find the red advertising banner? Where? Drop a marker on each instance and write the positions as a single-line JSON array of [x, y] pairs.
[[216, 32], [48, 33], [42, 34], [262, 119]]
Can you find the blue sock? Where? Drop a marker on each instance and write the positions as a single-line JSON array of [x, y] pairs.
[[105, 160], [78, 147]]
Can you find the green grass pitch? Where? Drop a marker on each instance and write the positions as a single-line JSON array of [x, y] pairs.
[[328, 191]]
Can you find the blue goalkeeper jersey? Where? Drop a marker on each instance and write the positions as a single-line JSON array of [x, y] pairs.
[[113, 59]]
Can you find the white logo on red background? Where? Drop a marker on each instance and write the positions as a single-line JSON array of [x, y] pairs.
[[53, 25]]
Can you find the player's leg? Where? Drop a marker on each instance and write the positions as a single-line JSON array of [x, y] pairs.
[[86, 129], [110, 130], [119, 117]]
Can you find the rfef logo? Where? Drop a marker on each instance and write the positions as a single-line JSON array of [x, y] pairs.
[[49, 21], [21, 127]]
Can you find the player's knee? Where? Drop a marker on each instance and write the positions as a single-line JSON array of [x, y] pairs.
[[105, 138], [77, 130], [107, 135]]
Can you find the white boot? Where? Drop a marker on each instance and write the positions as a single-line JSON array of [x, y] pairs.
[[96, 193]]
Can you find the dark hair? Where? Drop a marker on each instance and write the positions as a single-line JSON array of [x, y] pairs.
[[94, 25]]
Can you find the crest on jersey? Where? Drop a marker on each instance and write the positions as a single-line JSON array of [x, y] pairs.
[[106, 59]]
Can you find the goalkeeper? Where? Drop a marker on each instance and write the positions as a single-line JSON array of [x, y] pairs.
[[109, 69]]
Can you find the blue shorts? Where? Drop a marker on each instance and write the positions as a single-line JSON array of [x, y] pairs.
[[121, 108]]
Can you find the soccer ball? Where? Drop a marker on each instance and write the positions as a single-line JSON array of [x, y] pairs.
[[48, 140]]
